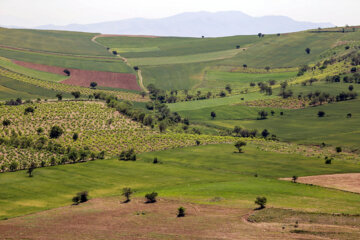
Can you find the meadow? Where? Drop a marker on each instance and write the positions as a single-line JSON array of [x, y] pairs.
[[196, 174]]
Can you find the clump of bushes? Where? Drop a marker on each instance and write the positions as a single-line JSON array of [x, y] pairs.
[[128, 155]]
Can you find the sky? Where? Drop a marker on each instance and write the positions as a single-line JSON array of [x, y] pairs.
[[29, 13]]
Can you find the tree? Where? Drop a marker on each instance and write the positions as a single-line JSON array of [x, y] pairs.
[[261, 201], [351, 87], [244, 65], [321, 114], [126, 192], [28, 110], [80, 197], [237, 46], [162, 126], [76, 94], [213, 115], [338, 149], [267, 68], [228, 88], [93, 84], [259, 35], [67, 72], [272, 112], [265, 133], [155, 161], [59, 96], [136, 68], [31, 169], [75, 136], [6, 122], [114, 52], [181, 212], [13, 166], [349, 115], [56, 132], [239, 145], [151, 197], [294, 178], [128, 155], [263, 114], [308, 50], [237, 130]]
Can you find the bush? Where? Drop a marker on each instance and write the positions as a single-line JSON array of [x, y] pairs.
[[128, 155], [75, 136], [126, 192], [151, 197], [181, 212], [80, 197], [338, 149], [56, 132], [93, 84], [321, 114], [261, 201], [155, 160], [28, 110], [6, 122]]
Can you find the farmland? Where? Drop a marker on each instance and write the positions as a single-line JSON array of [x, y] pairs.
[[209, 124]]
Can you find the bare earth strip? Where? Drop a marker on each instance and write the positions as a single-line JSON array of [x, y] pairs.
[[347, 181], [109, 218]]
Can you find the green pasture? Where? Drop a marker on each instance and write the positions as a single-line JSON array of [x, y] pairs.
[[192, 174], [52, 41], [108, 65]]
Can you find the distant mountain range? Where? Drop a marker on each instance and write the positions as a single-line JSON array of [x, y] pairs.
[[196, 24]]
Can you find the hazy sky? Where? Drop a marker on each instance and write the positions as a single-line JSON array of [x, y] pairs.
[[61, 12]]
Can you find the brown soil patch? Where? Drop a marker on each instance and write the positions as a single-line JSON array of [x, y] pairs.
[[110, 219], [83, 78], [347, 181]]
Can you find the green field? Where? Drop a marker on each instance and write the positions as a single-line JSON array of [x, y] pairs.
[[52, 41], [108, 65], [196, 173]]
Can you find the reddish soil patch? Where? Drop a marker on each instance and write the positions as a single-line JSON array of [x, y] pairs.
[[347, 181], [110, 219], [83, 78]]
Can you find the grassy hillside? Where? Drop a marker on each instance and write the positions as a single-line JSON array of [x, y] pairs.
[[52, 41], [196, 174]]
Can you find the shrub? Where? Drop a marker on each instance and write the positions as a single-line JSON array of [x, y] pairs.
[[321, 114], [76, 94], [67, 72], [294, 178], [181, 212], [151, 197], [59, 96], [239, 145], [6, 122], [126, 192], [155, 160], [80, 197], [128, 155], [56, 132], [261, 201], [338, 149], [93, 84], [75, 136], [213, 115], [28, 110]]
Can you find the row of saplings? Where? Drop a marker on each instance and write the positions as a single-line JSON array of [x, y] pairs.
[[82, 197]]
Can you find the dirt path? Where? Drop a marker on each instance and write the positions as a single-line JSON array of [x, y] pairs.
[[140, 77]]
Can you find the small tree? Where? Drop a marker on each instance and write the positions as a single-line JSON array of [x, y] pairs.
[[267, 68], [80, 197], [244, 65], [263, 114], [56, 132], [31, 169], [181, 212], [151, 197], [351, 87], [76, 94], [294, 178], [6, 122], [261, 201], [265, 133], [213, 115], [308, 50], [321, 114], [127, 192], [228, 88], [59, 96], [67, 72], [162, 126], [93, 84], [237, 46], [155, 161], [239, 145], [28, 110], [75, 136], [338, 149]]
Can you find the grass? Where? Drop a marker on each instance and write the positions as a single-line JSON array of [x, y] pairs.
[[200, 57], [13, 89], [107, 65], [219, 79], [215, 102], [52, 41], [8, 64], [196, 173]]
